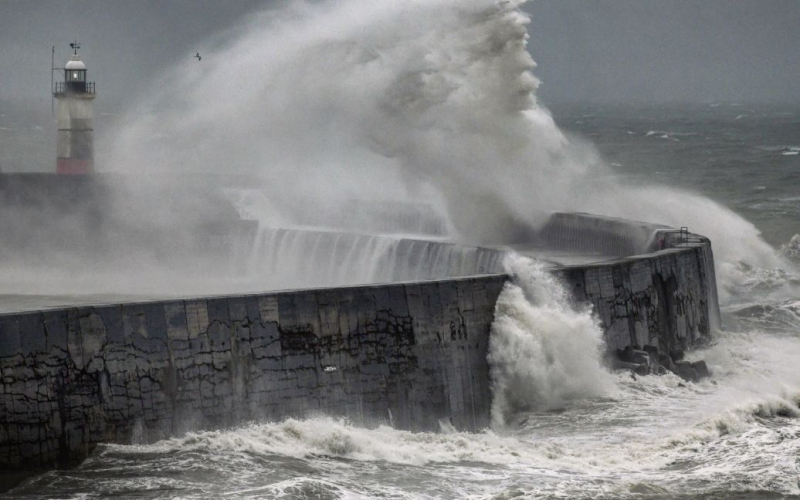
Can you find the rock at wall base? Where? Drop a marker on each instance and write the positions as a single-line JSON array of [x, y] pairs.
[[640, 358], [691, 371], [652, 351], [686, 371], [701, 369], [637, 368], [666, 362], [646, 362], [636, 356], [660, 370]]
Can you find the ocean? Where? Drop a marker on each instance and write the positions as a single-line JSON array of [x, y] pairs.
[[736, 435]]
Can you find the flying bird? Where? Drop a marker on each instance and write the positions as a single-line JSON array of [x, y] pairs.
[[198, 56]]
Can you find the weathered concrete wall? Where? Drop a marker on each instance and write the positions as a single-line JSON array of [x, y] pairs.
[[405, 354], [661, 299], [408, 354], [632, 304]]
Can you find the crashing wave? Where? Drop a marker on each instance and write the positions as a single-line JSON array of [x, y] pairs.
[[432, 101], [780, 317], [543, 352], [791, 250], [740, 282]]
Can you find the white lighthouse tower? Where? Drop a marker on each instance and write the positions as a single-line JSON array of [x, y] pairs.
[[75, 95]]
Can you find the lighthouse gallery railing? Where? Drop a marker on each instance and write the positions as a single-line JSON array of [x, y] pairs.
[[73, 88]]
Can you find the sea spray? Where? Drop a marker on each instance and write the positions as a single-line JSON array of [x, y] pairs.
[[543, 351], [428, 101], [791, 250]]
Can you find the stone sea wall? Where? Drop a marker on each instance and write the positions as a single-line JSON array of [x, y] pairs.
[[411, 354], [665, 299], [404, 354]]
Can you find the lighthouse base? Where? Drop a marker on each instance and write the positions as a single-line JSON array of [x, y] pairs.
[[74, 166]]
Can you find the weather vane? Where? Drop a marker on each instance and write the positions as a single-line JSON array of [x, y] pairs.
[[75, 46]]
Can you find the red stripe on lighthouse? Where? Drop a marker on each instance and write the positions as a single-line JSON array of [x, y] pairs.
[[73, 166]]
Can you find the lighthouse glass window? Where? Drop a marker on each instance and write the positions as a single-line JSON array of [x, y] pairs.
[[76, 76]]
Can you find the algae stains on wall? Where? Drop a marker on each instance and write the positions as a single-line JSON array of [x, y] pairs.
[[660, 299], [408, 355]]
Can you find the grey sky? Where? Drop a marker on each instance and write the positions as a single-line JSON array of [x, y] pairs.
[[684, 50], [126, 44], [669, 50]]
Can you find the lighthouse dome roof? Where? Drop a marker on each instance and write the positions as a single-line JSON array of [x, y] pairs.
[[75, 63]]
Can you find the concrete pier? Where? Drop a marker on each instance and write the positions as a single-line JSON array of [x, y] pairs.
[[410, 355]]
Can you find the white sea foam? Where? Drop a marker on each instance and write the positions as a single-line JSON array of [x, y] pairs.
[[791, 250], [742, 283], [542, 351], [785, 150], [329, 437]]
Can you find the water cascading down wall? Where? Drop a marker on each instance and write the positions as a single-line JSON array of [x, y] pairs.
[[412, 355]]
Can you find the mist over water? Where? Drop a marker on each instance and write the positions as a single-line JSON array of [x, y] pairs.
[[417, 119]]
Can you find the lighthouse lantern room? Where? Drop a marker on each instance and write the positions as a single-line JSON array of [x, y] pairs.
[[75, 150]]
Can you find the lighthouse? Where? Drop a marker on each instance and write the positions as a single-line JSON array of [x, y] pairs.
[[75, 150]]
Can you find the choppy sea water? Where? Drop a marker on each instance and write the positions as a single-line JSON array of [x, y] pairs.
[[746, 157], [735, 436]]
